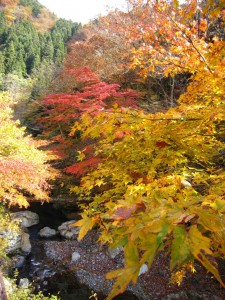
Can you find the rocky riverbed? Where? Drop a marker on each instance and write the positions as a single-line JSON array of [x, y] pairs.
[[77, 269]]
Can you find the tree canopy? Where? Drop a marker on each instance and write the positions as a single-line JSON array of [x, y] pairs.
[[161, 177], [23, 168], [149, 181]]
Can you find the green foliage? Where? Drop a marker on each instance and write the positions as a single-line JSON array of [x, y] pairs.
[[47, 52], [2, 27], [43, 76], [14, 292], [2, 63], [25, 49], [34, 4]]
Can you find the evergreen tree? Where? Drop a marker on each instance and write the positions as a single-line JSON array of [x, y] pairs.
[[10, 57], [20, 66], [59, 56], [43, 75], [2, 63], [25, 48], [2, 27], [48, 49], [33, 62], [59, 48]]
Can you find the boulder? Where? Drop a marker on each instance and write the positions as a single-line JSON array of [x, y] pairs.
[[26, 218], [68, 231], [47, 232], [25, 243], [14, 239]]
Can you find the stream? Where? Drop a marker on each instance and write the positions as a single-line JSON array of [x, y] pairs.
[[52, 278], [46, 278]]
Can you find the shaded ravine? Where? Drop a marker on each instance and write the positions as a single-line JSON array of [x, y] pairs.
[[44, 277], [48, 277]]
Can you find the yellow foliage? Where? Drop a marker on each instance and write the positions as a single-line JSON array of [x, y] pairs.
[[162, 182], [23, 167]]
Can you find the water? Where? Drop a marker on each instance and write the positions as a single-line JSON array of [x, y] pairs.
[[49, 277]]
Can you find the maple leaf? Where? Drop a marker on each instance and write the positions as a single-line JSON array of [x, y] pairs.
[[161, 144], [86, 224], [123, 213]]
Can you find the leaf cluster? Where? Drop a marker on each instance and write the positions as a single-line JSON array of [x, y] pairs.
[[161, 187], [23, 168], [158, 186]]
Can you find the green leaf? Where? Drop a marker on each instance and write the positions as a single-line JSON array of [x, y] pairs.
[[120, 243], [151, 245], [131, 254], [180, 248]]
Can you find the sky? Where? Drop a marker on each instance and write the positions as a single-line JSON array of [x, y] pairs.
[[81, 10]]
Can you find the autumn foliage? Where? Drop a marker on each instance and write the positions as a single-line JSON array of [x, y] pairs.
[[92, 96], [152, 181], [162, 176], [23, 168]]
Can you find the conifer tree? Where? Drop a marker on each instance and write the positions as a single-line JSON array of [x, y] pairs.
[[2, 63], [48, 50], [11, 58], [2, 27]]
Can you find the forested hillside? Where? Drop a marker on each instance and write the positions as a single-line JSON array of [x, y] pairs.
[[23, 53], [134, 113]]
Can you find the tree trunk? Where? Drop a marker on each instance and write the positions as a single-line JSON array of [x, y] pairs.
[[3, 294]]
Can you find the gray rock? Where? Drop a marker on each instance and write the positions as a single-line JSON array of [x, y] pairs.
[[24, 283], [18, 261], [26, 218], [14, 238], [25, 243], [95, 282], [47, 232], [100, 284], [69, 231], [75, 256], [114, 252], [143, 269]]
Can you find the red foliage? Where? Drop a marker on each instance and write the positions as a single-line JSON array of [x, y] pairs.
[[61, 111], [85, 75], [161, 144], [80, 168], [93, 97], [120, 134]]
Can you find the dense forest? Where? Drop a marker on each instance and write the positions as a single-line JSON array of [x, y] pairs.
[[127, 115]]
